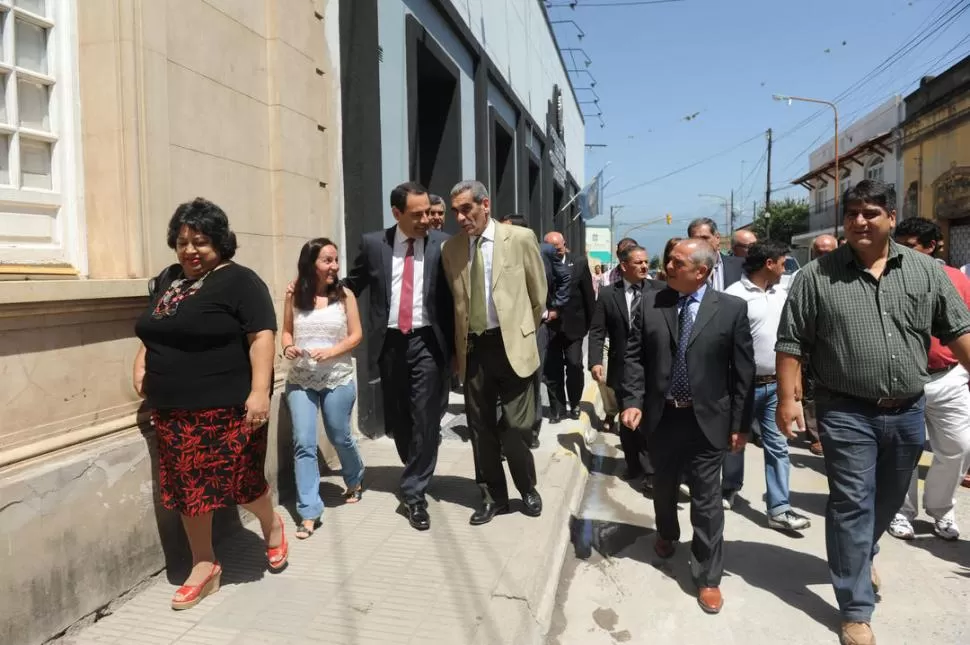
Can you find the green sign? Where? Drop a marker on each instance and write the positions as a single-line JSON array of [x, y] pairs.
[[603, 257]]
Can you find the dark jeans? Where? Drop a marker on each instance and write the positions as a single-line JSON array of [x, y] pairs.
[[870, 454], [491, 387], [563, 372]]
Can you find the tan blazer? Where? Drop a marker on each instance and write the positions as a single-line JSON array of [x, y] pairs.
[[518, 291]]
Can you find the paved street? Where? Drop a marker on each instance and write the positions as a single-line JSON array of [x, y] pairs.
[[366, 577], [776, 586]]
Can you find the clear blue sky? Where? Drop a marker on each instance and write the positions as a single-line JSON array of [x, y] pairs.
[[722, 60]]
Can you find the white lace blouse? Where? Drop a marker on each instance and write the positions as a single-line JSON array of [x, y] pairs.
[[319, 329]]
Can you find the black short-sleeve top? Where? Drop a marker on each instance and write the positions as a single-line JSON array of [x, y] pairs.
[[198, 358]]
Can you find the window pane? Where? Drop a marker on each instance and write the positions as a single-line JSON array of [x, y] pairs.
[[5, 159], [35, 164], [34, 6], [3, 98], [34, 105], [31, 43]]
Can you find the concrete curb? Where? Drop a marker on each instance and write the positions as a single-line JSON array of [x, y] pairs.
[[547, 587]]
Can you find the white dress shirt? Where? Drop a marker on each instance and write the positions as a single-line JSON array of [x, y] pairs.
[[488, 246], [717, 275], [418, 318], [764, 316]]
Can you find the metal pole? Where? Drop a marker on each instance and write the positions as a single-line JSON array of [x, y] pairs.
[[838, 179], [768, 185], [731, 219]]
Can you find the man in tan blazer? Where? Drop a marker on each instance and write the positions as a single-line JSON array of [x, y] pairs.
[[499, 284]]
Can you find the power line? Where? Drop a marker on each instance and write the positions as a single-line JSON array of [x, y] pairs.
[[688, 166], [627, 3]]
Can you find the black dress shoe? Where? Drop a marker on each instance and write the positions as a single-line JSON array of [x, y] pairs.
[[533, 503], [534, 443], [574, 413], [555, 417], [631, 474], [485, 514], [418, 517]]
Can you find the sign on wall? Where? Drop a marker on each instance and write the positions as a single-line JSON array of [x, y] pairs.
[[599, 243]]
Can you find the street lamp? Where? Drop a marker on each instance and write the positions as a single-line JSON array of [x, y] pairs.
[[727, 208], [838, 179]]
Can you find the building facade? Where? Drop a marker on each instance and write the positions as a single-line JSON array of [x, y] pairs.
[[935, 151], [438, 91], [867, 150], [113, 113]]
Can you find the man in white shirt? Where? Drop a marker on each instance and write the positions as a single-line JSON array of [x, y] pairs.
[[762, 288]]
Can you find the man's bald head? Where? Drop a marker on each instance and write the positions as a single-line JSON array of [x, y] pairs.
[[556, 239], [824, 244], [741, 241]]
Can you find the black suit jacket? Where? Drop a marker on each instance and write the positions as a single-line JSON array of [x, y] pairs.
[[612, 320], [733, 269], [720, 363], [576, 315], [372, 268], [557, 277]]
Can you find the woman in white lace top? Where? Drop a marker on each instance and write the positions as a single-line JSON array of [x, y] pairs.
[[321, 326]]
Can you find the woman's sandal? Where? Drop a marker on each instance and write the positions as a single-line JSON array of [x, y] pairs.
[[353, 496], [277, 556], [189, 596], [303, 531]]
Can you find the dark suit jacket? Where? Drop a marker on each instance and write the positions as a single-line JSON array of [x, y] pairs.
[[372, 268], [576, 315], [557, 277], [733, 269], [720, 363], [612, 320]]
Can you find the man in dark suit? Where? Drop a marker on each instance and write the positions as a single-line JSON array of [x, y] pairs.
[[563, 371], [611, 326], [728, 268], [689, 369], [410, 335], [557, 281]]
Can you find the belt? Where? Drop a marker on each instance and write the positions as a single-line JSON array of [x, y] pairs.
[[494, 331], [765, 380], [886, 403], [940, 370], [674, 403], [414, 330]]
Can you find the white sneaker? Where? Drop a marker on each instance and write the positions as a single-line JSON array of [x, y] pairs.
[[946, 528], [901, 528]]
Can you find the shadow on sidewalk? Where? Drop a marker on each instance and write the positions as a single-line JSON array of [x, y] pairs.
[[449, 489], [609, 539], [957, 551], [810, 461]]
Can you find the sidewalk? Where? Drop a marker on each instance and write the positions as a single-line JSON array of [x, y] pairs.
[[367, 577]]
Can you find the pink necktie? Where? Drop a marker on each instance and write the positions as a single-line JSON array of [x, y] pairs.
[[405, 312]]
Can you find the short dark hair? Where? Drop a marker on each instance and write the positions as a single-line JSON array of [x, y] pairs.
[[702, 221], [760, 252], [626, 241], [205, 217], [925, 231], [399, 196], [625, 253], [436, 199], [515, 219], [305, 289], [871, 191]]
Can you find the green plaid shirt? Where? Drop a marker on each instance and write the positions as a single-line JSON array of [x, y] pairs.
[[868, 338]]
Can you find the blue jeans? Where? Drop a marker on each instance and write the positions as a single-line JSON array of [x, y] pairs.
[[870, 454], [336, 404], [777, 464]]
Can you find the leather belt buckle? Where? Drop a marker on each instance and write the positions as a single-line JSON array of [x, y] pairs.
[[679, 405], [765, 380], [890, 404]]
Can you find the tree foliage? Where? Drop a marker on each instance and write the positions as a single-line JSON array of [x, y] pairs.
[[788, 218]]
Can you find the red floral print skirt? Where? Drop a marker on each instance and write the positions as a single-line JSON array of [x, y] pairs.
[[208, 459]]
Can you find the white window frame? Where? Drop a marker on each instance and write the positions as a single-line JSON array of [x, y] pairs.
[[874, 164], [64, 250]]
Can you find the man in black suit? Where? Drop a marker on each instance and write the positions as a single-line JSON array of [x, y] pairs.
[[611, 327], [728, 268], [410, 335], [557, 279], [563, 370], [689, 369]]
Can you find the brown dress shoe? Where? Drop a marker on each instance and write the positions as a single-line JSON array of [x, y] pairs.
[[966, 481], [857, 634], [710, 599], [664, 548], [816, 448]]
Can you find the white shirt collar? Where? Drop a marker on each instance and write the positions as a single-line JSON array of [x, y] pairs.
[[489, 232], [627, 284], [751, 286], [400, 239]]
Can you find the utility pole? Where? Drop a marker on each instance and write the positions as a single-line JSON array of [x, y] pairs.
[[768, 186], [731, 217]]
